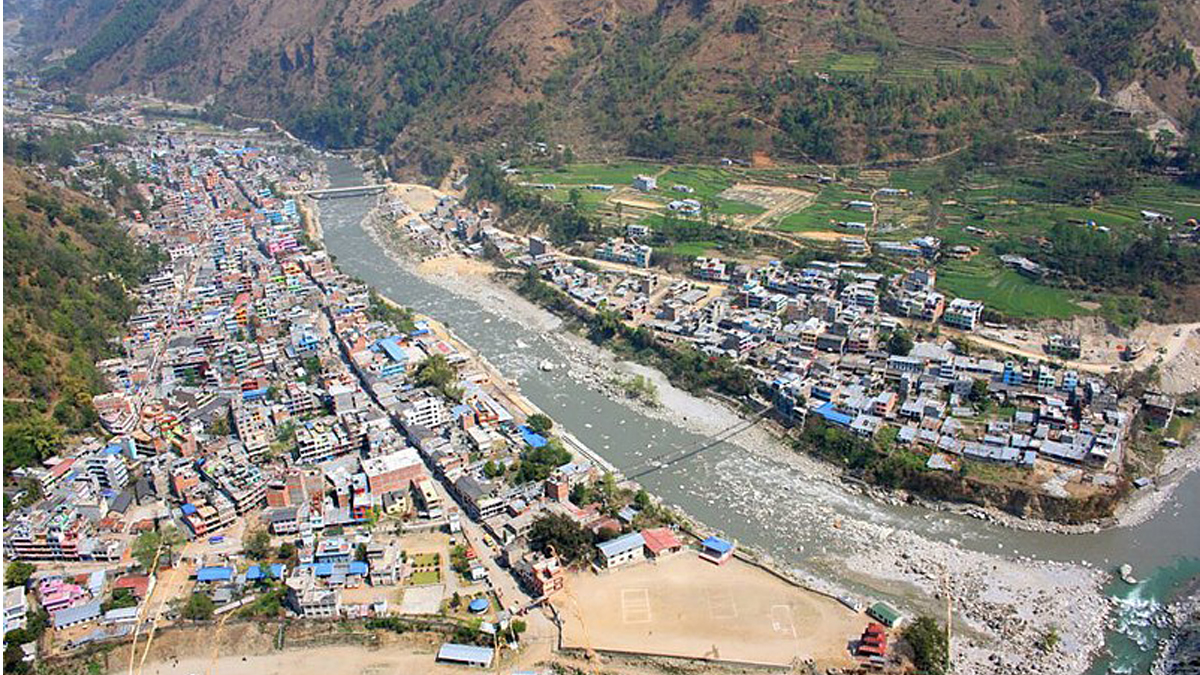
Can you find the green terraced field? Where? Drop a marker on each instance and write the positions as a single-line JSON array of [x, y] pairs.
[[827, 207], [690, 249], [586, 174], [1006, 292]]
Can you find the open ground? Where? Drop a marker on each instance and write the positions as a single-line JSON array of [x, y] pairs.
[[685, 606]]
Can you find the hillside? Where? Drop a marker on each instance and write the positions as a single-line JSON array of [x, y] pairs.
[[66, 267], [826, 80]]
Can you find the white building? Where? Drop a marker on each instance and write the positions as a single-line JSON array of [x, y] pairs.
[[429, 412], [16, 606], [963, 313], [623, 550], [108, 470]]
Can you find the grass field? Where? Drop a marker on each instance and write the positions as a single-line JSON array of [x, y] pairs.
[[1006, 291], [690, 249], [425, 577], [827, 207], [707, 182], [425, 559], [587, 174]]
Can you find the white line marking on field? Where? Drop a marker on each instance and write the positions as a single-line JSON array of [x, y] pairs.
[[635, 605], [722, 606], [781, 620]]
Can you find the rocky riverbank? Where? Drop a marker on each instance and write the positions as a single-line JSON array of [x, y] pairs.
[[1181, 654]]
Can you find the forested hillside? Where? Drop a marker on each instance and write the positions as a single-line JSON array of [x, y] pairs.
[[67, 268], [828, 80]]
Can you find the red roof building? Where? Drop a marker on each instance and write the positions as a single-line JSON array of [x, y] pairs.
[[138, 583], [660, 541]]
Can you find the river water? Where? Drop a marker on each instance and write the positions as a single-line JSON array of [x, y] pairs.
[[759, 502]]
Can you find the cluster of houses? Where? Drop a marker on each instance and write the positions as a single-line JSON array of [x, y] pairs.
[[256, 384], [817, 339]]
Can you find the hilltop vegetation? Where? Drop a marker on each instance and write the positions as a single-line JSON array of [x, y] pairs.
[[838, 81], [67, 265]]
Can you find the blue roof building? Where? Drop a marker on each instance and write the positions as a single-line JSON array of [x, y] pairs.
[[717, 550], [833, 415], [214, 573], [532, 438], [391, 347], [272, 571]]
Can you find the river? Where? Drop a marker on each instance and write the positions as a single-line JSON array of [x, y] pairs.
[[757, 501]]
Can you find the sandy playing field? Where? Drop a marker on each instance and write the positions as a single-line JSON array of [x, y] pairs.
[[685, 606], [347, 660], [637, 203], [821, 235], [419, 197], [455, 264]]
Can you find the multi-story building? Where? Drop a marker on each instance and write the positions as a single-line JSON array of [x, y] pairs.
[[16, 607], [628, 253], [108, 469], [963, 313], [392, 472], [427, 411]]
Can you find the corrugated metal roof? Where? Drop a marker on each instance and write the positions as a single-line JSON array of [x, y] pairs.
[[717, 544], [72, 615], [465, 654], [214, 574], [620, 545]]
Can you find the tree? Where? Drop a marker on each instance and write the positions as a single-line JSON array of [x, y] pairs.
[[642, 499], [17, 573], [568, 539], [979, 391], [14, 658], [147, 544], [749, 20], [492, 469], [258, 544], [360, 553], [580, 494], [537, 463], [900, 343], [931, 653], [437, 372], [121, 598], [287, 551], [540, 423], [219, 426], [199, 607]]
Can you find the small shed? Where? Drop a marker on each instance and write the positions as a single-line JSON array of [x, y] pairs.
[[716, 550], [883, 613]]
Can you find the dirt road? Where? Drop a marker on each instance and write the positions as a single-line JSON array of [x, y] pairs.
[[1173, 344]]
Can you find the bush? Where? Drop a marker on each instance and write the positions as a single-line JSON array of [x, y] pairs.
[[931, 653], [17, 573], [199, 607], [540, 423]]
